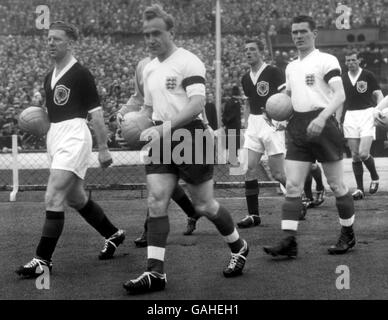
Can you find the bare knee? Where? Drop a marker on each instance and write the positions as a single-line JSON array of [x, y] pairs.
[[356, 157], [77, 203], [338, 187], [54, 199], [251, 172], [279, 176], [363, 155], [157, 204], [207, 208], [294, 189]]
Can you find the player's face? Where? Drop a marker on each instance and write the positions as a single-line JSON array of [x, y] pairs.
[[252, 53], [158, 39], [352, 62], [58, 44], [303, 36]]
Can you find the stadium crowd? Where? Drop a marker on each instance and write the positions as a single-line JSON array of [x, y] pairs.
[[195, 16], [112, 60]]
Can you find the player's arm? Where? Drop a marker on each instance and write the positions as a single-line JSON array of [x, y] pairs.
[[378, 113], [91, 101], [338, 98], [101, 134], [194, 85], [378, 96], [190, 112]]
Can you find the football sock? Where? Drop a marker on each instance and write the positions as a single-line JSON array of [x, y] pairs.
[[181, 198], [146, 221], [307, 187], [345, 206], [291, 211], [358, 170], [370, 164], [252, 196], [95, 216], [52, 230], [225, 225], [317, 175], [158, 229]]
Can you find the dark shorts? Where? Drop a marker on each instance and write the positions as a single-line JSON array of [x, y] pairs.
[[191, 172], [327, 147]]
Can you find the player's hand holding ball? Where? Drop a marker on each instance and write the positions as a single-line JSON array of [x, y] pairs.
[[104, 157], [119, 118]]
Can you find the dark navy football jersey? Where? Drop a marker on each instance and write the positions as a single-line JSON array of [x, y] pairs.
[[269, 82], [73, 95], [360, 95]]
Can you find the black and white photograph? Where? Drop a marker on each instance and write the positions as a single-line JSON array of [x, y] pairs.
[[193, 157]]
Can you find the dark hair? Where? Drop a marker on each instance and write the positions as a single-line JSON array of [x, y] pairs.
[[352, 52], [259, 43], [308, 19], [156, 11], [70, 30]]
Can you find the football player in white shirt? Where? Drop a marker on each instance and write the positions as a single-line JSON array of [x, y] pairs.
[[174, 87], [135, 103], [71, 94], [314, 83]]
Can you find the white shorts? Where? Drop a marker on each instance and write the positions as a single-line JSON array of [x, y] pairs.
[[69, 146], [261, 137], [359, 123]]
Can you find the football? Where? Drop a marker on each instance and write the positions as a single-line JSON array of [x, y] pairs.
[[279, 107], [131, 127], [34, 120]]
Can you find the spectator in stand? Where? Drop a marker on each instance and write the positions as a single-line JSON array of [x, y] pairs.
[[231, 120]]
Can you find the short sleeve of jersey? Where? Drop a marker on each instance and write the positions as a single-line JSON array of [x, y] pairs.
[[279, 79], [194, 77], [90, 96], [374, 85], [331, 68]]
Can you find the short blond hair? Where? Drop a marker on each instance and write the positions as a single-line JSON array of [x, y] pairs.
[[156, 11]]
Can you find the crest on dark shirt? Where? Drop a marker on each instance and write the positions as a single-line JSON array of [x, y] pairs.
[[362, 86], [61, 95], [262, 88]]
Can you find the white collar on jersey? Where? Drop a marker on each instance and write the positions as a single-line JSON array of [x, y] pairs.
[[54, 79], [309, 55], [255, 77], [354, 79]]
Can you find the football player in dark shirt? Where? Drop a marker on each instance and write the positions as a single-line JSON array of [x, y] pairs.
[[261, 136], [71, 95], [363, 93]]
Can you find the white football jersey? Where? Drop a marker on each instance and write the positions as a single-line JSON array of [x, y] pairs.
[[169, 84], [308, 80]]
